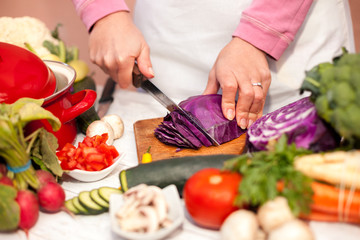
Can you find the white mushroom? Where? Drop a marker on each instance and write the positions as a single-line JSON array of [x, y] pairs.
[[99, 127], [150, 215], [240, 225], [274, 213], [292, 230], [116, 123], [145, 203]]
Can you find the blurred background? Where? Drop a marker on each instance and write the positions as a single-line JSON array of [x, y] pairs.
[[74, 33]]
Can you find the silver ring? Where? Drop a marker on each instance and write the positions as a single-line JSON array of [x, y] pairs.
[[257, 84]]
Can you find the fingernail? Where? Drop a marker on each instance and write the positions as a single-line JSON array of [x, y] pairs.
[[230, 114], [151, 71], [243, 123], [250, 123]]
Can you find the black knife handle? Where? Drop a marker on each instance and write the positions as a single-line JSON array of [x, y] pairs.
[[107, 94], [137, 76]]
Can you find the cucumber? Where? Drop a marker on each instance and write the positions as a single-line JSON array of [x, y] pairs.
[[170, 171], [84, 119], [86, 201], [79, 207], [94, 195], [105, 192], [69, 204]]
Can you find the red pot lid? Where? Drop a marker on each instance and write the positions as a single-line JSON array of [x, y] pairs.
[[23, 74]]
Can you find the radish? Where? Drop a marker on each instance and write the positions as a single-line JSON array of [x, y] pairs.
[[51, 197], [44, 177], [29, 209], [6, 180]]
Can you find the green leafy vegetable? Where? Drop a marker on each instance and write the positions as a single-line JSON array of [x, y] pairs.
[[267, 174], [335, 90], [15, 147], [9, 209]]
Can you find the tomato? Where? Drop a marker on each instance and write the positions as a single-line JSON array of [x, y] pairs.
[[92, 154], [209, 196]]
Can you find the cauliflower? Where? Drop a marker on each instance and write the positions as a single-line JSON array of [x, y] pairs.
[[31, 30]]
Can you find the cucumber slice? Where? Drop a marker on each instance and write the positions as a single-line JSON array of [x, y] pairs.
[[94, 195], [105, 192], [78, 206], [89, 204], [69, 204]]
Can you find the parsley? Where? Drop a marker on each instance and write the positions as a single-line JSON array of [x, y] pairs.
[[268, 174]]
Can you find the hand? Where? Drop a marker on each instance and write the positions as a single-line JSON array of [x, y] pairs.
[[238, 65], [115, 43]]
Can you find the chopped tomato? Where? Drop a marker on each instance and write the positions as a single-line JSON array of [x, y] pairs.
[[92, 154]]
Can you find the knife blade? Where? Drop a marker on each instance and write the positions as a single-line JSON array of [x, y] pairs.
[[139, 80], [106, 97]]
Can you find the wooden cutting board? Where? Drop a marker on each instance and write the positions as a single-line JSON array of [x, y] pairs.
[[144, 137]]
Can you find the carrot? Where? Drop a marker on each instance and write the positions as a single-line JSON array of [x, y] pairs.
[[327, 217], [331, 199], [333, 204]]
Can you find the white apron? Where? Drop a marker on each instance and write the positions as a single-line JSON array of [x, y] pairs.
[[186, 36]]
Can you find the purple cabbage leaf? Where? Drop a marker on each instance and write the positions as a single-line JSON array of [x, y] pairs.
[[300, 122], [177, 130]]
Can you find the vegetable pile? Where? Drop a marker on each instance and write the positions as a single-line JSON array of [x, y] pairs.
[[299, 121], [179, 131], [335, 91], [23, 190]]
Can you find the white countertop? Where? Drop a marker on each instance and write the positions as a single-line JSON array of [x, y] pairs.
[[134, 106]]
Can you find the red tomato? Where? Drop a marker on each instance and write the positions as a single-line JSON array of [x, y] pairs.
[[209, 196]]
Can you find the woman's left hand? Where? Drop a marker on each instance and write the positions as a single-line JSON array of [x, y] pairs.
[[239, 66]]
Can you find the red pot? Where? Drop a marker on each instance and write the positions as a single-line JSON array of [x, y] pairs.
[[64, 105], [23, 74]]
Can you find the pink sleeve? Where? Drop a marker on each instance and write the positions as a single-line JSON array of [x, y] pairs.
[[91, 11], [271, 25]]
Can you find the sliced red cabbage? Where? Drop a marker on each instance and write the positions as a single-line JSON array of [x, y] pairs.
[[177, 130], [299, 121]]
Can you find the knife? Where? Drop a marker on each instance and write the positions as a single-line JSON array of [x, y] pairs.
[[139, 80], [106, 97]]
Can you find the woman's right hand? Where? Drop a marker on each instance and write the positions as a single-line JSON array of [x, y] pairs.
[[115, 43]]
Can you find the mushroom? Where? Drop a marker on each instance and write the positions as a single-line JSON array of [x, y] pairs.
[[292, 230], [99, 127], [147, 206], [116, 123], [274, 213], [240, 224]]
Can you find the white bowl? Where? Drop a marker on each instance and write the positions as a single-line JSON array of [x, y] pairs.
[[176, 214], [91, 176]]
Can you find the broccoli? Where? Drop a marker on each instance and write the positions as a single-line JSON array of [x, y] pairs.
[[335, 91]]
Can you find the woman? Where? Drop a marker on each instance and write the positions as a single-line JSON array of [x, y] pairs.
[[181, 44]]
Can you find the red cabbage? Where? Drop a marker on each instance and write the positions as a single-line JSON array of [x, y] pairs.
[[178, 131], [300, 122]]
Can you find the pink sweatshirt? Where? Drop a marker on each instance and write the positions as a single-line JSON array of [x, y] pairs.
[[270, 25]]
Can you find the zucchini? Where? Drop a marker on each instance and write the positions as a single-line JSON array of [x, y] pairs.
[[79, 207], [84, 119], [105, 192], [170, 171], [69, 204], [94, 195], [87, 83], [86, 201]]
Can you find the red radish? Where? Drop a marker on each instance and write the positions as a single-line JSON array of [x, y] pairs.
[[29, 209], [44, 176], [6, 180], [51, 197], [3, 169]]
